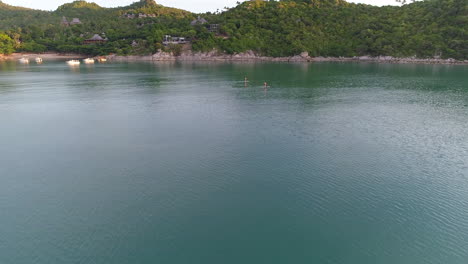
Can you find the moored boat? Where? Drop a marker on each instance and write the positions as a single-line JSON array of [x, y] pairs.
[[102, 59], [88, 61], [24, 60], [73, 62], [38, 60]]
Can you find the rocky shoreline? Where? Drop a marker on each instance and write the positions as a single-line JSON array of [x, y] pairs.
[[250, 56]]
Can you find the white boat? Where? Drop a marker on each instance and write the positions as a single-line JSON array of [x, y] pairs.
[[88, 61], [24, 60], [73, 62], [38, 60], [102, 59]]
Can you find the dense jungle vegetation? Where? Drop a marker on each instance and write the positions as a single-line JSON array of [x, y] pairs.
[[426, 29]]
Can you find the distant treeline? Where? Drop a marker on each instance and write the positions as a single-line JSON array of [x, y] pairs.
[[425, 29]]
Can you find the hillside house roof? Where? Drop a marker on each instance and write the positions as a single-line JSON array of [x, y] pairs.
[[65, 21], [75, 21], [198, 21], [96, 37]]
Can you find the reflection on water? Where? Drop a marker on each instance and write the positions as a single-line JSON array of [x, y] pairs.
[[184, 163]]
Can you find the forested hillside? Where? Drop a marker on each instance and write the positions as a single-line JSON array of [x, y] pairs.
[[430, 28]]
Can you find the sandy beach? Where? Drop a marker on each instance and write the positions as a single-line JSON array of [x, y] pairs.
[[44, 56]]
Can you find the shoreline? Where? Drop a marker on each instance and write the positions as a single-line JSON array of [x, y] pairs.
[[249, 56], [214, 56], [45, 56]]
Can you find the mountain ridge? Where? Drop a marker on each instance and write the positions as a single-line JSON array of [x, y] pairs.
[[90, 5], [11, 7]]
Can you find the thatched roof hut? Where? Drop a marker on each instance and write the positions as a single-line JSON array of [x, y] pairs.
[[95, 39], [75, 21]]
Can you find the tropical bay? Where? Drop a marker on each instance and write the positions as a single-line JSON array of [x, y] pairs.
[[292, 131], [186, 163]]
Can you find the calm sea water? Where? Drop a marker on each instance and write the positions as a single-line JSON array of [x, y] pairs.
[[181, 163]]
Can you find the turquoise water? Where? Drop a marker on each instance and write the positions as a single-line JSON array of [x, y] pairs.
[[181, 163]]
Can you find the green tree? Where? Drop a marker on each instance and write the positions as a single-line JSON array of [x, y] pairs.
[[6, 44]]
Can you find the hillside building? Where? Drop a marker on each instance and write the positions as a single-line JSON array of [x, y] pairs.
[[198, 21], [96, 39], [75, 21]]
